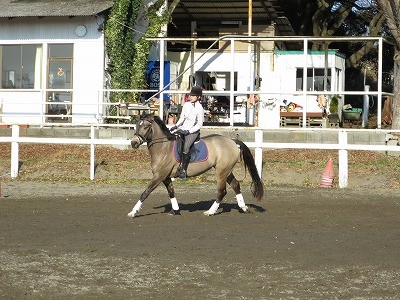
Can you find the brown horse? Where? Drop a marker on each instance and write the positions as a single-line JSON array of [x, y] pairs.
[[223, 154]]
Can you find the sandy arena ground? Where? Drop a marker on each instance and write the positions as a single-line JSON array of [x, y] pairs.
[[71, 241]]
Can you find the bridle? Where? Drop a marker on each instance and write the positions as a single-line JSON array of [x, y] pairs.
[[145, 138], [148, 136]]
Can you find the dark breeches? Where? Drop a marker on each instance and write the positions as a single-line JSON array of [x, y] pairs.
[[189, 141]]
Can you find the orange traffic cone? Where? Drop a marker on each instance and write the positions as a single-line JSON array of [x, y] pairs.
[[327, 175]]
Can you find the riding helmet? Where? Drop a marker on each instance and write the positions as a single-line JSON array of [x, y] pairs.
[[196, 91]]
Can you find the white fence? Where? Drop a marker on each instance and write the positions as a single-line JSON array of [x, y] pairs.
[[342, 146]]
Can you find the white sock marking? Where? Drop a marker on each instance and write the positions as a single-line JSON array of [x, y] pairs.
[[174, 203], [240, 200]]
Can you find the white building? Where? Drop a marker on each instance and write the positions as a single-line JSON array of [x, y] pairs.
[[266, 66], [52, 56]]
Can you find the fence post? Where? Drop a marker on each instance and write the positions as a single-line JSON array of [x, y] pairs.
[[14, 151], [258, 149], [92, 137], [343, 159]]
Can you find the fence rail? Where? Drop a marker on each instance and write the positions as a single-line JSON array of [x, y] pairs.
[[258, 145]]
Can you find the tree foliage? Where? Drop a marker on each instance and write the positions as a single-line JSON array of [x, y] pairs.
[[127, 48], [157, 20], [327, 18], [120, 44]]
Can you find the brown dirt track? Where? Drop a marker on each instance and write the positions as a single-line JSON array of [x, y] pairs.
[[74, 241], [63, 237]]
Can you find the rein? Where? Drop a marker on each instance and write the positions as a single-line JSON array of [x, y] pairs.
[[156, 141], [150, 141]]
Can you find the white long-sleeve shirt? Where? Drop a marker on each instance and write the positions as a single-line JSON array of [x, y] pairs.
[[192, 117]]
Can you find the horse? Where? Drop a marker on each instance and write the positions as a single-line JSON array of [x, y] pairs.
[[223, 154]]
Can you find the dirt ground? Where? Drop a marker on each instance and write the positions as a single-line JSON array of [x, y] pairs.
[[74, 241], [65, 237]]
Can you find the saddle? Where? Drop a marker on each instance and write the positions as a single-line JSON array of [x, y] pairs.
[[198, 152]]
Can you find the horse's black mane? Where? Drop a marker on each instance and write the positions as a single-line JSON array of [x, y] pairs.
[[164, 128]]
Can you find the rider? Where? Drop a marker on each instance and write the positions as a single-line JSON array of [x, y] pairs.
[[189, 124]]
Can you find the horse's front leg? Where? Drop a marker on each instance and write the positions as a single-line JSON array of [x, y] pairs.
[[150, 187], [171, 193]]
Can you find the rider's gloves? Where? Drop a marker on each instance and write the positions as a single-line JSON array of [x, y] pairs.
[[183, 132]]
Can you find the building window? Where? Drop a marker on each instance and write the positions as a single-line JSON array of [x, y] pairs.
[[60, 61], [21, 66], [315, 79]]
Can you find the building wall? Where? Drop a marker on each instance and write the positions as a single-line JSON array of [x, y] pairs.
[[88, 66], [284, 76], [47, 29]]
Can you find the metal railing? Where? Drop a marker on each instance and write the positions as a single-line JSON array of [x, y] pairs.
[[230, 92]]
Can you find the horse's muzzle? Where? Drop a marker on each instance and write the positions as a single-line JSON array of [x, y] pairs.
[[136, 142]]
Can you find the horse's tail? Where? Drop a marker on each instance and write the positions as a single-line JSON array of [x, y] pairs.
[[257, 186]]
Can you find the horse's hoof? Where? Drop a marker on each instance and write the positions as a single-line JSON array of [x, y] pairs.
[[174, 212], [131, 214], [244, 209], [208, 214]]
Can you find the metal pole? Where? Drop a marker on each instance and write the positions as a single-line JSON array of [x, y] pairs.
[[193, 46], [161, 85], [232, 85], [305, 46], [326, 50], [379, 106], [250, 16], [365, 111], [250, 29]]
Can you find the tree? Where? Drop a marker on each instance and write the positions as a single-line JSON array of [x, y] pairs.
[[128, 48], [326, 18], [158, 17], [391, 11], [120, 44]]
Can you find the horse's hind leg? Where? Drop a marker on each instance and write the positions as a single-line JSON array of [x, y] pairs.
[[171, 193], [221, 192], [234, 183]]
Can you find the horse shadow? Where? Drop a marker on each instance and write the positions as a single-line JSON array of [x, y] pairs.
[[206, 204]]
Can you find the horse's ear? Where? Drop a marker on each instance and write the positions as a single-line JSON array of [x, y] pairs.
[[145, 115]]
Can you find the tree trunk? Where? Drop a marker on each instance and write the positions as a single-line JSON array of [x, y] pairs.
[[391, 10], [396, 99]]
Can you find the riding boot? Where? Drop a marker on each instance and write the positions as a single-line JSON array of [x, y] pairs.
[[184, 165]]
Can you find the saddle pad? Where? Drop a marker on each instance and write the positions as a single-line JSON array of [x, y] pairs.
[[198, 152]]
